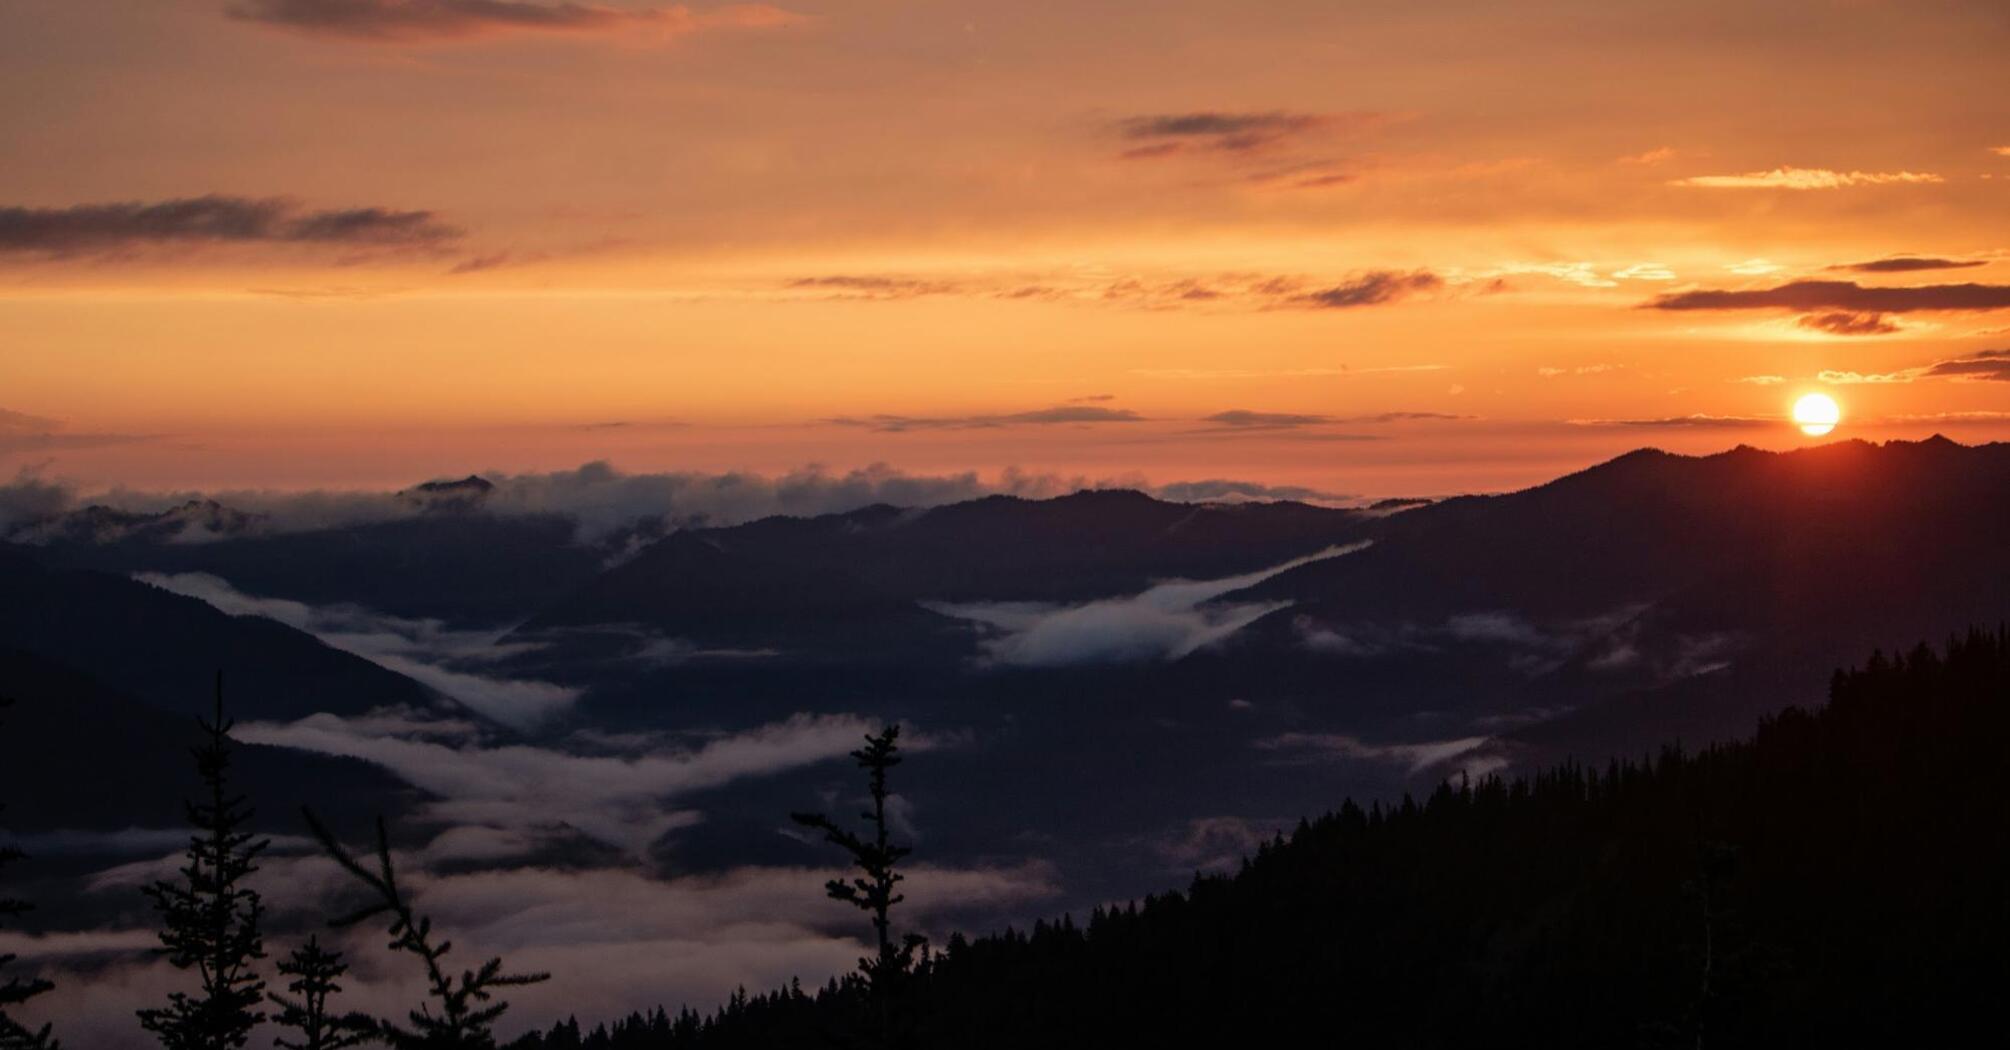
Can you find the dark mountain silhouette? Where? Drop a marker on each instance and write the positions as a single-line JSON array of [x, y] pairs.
[[451, 562], [97, 524], [1778, 561], [134, 758], [842, 579], [162, 649], [702, 587], [1835, 881]]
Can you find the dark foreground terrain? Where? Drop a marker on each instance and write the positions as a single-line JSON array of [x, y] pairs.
[[1838, 880]]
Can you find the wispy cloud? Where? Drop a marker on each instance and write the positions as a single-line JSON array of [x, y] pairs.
[[1246, 419], [1985, 366], [21, 432], [1165, 622], [447, 21], [1281, 373], [1163, 135], [1649, 157], [1791, 178], [424, 650], [1835, 377], [1698, 421], [624, 801], [1415, 757], [1062, 414], [1369, 289], [105, 228], [1810, 296], [872, 286], [1909, 264], [1844, 322]]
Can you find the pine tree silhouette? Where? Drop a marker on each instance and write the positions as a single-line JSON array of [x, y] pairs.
[[15, 990], [316, 972], [467, 1006], [210, 919], [872, 891]]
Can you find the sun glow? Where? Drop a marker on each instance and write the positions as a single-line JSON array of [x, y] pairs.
[[1817, 414]]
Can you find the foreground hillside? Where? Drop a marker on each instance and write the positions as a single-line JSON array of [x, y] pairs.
[[1837, 880]]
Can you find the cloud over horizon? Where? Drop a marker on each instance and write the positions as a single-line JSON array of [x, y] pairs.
[[211, 220], [1369, 289], [1165, 134], [1810, 296], [427, 651], [1909, 264], [625, 801], [1060, 414], [1792, 178], [449, 21]]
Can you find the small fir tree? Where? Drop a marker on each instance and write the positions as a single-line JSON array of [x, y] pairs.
[[872, 891], [316, 973], [209, 917]]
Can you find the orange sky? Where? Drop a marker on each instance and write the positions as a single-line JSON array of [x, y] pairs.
[[1390, 247]]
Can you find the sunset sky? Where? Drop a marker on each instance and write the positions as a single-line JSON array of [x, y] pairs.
[[1369, 248]]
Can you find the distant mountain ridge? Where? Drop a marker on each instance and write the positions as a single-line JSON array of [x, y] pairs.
[[866, 571], [164, 649]]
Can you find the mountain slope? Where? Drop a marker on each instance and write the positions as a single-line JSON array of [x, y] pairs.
[[64, 722], [1836, 881], [856, 577], [164, 649]]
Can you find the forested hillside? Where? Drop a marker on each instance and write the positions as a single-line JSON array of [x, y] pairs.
[[1839, 879]]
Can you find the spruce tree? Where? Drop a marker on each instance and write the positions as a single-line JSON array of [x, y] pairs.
[[877, 859], [15, 990], [316, 973], [461, 1011], [209, 917]]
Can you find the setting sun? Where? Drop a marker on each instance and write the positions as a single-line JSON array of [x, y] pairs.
[[1817, 414]]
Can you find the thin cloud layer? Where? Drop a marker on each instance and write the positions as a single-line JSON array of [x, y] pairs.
[[1039, 417], [873, 286], [1909, 264], [626, 939], [1843, 322], [628, 802], [1414, 757], [1811, 296], [1163, 135], [445, 21], [1369, 289], [1244, 418], [213, 219], [426, 651], [1697, 421], [1165, 622], [607, 505], [1791, 178], [21, 432], [1986, 366]]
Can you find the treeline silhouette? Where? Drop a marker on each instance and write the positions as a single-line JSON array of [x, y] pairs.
[[1842, 878]]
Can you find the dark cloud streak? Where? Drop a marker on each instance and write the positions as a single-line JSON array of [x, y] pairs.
[[1369, 289], [1062, 414], [1986, 366], [1909, 264], [426, 21], [99, 228], [1811, 296]]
